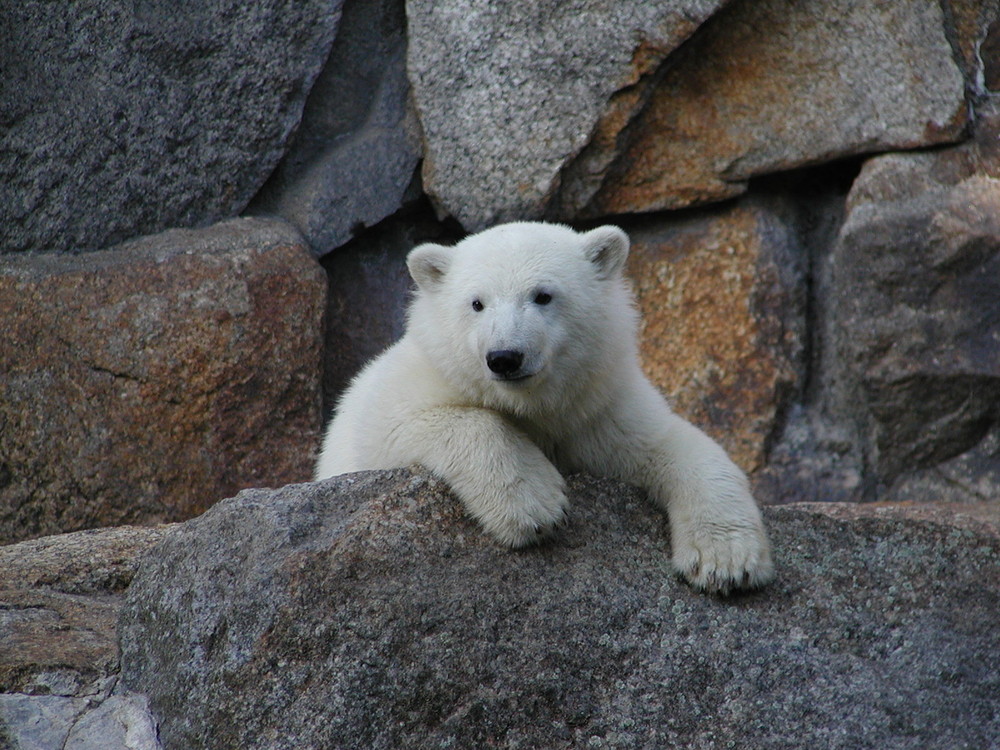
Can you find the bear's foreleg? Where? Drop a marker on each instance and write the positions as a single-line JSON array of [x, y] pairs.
[[717, 534], [503, 479]]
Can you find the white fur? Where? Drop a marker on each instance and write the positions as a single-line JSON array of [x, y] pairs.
[[580, 401]]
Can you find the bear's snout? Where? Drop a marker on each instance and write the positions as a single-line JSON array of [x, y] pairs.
[[504, 362]]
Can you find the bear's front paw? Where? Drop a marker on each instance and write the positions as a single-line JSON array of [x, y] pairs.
[[719, 557], [526, 512]]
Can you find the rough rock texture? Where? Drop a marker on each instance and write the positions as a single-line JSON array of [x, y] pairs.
[[60, 597], [976, 38], [81, 562], [368, 611], [56, 723], [723, 305], [507, 93], [54, 642], [145, 382], [97, 722], [914, 326], [825, 80], [356, 151], [123, 119], [59, 603]]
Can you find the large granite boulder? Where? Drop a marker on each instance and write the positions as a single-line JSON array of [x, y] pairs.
[[368, 610], [509, 92], [772, 85], [120, 119], [913, 322], [145, 382], [353, 159]]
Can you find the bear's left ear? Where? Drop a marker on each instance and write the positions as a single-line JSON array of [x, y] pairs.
[[428, 264], [607, 248]]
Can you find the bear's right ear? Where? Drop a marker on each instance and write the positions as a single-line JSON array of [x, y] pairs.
[[428, 264]]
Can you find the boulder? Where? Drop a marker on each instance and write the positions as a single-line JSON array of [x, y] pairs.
[[774, 85], [508, 93], [145, 382], [95, 561], [123, 119], [914, 322], [354, 156], [60, 597], [46, 722], [723, 320], [368, 610]]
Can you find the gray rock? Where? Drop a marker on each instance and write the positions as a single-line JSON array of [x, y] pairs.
[[508, 92], [144, 382], [914, 328], [125, 118], [356, 151], [37, 722], [48, 722], [122, 722], [367, 610]]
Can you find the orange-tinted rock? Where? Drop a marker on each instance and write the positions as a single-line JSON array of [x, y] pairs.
[[143, 383], [773, 85], [722, 331], [509, 93], [976, 37]]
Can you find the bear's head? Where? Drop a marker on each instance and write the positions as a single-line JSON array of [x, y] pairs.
[[526, 317]]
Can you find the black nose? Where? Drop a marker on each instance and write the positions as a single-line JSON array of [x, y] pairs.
[[504, 362]]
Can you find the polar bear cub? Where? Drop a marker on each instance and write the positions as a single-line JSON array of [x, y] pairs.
[[520, 361]]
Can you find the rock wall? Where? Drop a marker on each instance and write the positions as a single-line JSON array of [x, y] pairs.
[[204, 215], [778, 187]]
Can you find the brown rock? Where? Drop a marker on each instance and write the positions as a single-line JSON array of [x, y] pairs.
[[81, 562], [46, 633], [773, 85], [722, 331], [143, 383], [976, 36], [60, 596]]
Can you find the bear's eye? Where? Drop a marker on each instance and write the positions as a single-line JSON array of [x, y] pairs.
[[543, 298], [477, 305]]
